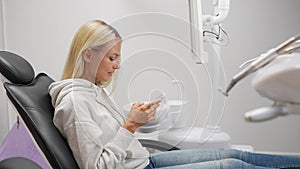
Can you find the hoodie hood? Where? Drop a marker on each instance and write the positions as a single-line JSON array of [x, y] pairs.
[[58, 90]]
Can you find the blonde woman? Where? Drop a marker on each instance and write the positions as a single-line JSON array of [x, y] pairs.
[[99, 135]]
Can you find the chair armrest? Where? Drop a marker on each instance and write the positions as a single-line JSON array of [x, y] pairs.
[[158, 145]]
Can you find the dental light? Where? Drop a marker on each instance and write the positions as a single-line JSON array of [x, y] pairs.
[[277, 78], [264, 59]]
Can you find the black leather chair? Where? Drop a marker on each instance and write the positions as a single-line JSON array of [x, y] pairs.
[[29, 94], [30, 97]]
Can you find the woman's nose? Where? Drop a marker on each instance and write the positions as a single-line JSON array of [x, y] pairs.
[[116, 66]]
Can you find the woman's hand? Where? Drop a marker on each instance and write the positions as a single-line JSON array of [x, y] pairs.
[[141, 114]]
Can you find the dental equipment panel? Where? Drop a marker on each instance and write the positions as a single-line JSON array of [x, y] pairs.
[[197, 21], [199, 55], [276, 78]]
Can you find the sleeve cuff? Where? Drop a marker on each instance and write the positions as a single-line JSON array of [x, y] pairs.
[[123, 138]]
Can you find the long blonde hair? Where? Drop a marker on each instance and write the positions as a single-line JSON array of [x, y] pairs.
[[92, 34]]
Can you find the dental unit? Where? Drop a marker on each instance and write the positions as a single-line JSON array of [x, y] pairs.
[[277, 74], [170, 125]]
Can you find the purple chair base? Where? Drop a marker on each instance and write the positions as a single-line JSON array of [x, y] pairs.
[[18, 143]]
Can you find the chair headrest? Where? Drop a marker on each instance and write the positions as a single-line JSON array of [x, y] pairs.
[[15, 68]]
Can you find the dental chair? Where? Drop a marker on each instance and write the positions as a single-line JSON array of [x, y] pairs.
[[29, 95]]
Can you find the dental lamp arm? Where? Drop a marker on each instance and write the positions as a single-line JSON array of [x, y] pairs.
[[223, 10], [263, 60]]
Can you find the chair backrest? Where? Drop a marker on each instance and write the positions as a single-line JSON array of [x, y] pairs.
[[31, 98]]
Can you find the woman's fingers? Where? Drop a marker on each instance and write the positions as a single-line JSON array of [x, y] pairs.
[[153, 104], [144, 112], [138, 104], [145, 106], [155, 101], [151, 114]]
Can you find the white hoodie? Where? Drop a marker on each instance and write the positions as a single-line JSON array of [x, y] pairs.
[[92, 125]]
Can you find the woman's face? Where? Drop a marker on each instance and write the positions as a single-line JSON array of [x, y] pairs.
[[109, 63]]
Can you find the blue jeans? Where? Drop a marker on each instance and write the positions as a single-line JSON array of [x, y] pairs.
[[219, 158]]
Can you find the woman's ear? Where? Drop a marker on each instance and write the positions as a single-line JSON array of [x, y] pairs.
[[87, 55]]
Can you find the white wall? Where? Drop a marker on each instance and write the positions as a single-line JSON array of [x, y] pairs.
[[1, 27], [3, 101], [42, 31]]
